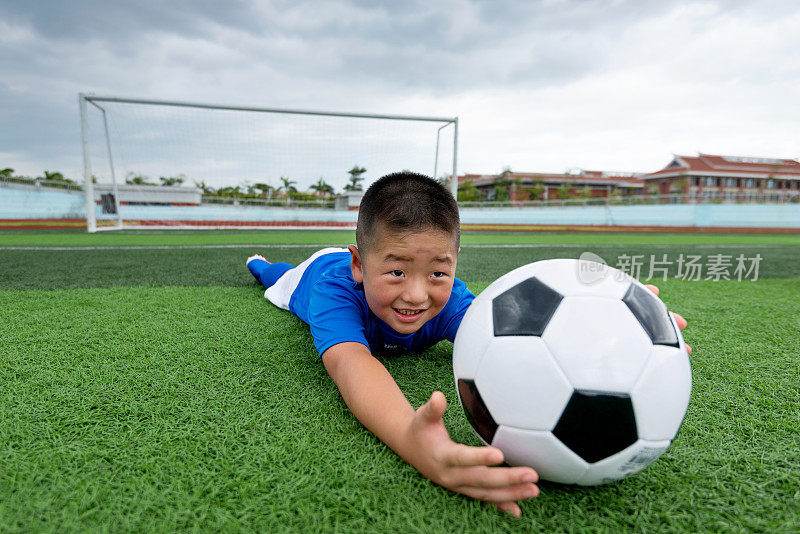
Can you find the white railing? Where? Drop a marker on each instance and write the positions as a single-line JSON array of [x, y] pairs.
[[783, 196], [38, 183], [776, 197], [267, 202]]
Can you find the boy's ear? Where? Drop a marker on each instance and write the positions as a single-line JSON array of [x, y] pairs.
[[355, 264]]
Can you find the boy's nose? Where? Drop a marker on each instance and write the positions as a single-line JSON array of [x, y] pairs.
[[415, 293]]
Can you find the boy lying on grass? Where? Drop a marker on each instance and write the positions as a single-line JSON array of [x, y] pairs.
[[396, 291]]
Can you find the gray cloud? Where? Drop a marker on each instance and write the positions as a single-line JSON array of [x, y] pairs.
[[437, 46], [122, 23], [540, 82]]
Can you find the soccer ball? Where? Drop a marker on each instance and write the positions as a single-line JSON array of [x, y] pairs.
[[573, 368]]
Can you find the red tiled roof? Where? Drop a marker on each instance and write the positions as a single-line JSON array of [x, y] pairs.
[[729, 165]]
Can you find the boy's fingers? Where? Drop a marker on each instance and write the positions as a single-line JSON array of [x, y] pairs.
[[509, 493], [680, 320], [466, 456], [509, 507], [652, 288], [494, 477], [435, 407]]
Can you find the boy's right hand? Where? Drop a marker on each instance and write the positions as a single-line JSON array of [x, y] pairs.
[[462, 468]]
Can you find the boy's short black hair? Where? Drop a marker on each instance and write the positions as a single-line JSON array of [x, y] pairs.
[[406, 202]]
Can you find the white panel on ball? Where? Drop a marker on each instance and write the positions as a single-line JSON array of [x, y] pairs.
[[542, 451], [470, 343], [579, 277], [624, 463], [509, 280], [521, 384], [661, 394], [607, 353]]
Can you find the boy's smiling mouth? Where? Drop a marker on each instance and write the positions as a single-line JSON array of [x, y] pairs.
[[407, 315]]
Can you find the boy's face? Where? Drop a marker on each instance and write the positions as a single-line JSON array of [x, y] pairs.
[[407, 277]]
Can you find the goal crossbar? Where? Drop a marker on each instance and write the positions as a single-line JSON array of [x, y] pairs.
[[177, 103], [83, 99]]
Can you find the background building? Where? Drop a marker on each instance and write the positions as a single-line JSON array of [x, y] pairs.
[[519, 186], [726, 177]]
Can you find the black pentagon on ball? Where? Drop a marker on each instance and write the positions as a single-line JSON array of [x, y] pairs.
[[596, 425], [477, 413], [652, 315], [525, 309]]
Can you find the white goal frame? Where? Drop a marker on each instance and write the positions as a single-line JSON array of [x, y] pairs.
[[94, 100]]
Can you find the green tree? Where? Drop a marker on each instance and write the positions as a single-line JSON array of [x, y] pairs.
[[230, 191], [205, 188], [56, 176], [467, 192], [563, 191], [264, 190], [537, 191], [287, 184], [323, 187], [501, 185], [355, 178], [288, 187], [7, 172], [133, 178], [172, 180]]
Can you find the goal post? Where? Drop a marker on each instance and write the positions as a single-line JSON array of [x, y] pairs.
[[218, 146]]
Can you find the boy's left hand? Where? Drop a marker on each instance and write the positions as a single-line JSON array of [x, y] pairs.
[[678, 319]]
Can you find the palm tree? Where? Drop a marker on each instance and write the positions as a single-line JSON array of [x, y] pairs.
[[264, 190], [7, 172], [230, 191], [355, 177], [207, 190], [322, 187], [288, 186]]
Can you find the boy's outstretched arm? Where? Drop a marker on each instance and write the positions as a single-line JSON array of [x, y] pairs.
[[419, 436]]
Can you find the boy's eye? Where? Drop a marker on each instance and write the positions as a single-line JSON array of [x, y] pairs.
[[438, 274], [396, 272]]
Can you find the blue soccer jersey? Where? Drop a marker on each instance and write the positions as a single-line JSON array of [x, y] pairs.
[[335, 308]]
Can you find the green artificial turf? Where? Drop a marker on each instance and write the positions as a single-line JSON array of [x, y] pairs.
[[48, 268], [343, 237], [156, 390]]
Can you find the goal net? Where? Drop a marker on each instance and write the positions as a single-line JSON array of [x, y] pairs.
[[166, 164]]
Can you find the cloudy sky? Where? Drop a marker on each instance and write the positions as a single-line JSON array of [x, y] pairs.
[[537, 85]]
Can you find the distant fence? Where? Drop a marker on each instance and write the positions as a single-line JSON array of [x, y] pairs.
[[21, 182], [784, 196], [707, 197], [667, 215], [268, 202], [45, 202]]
